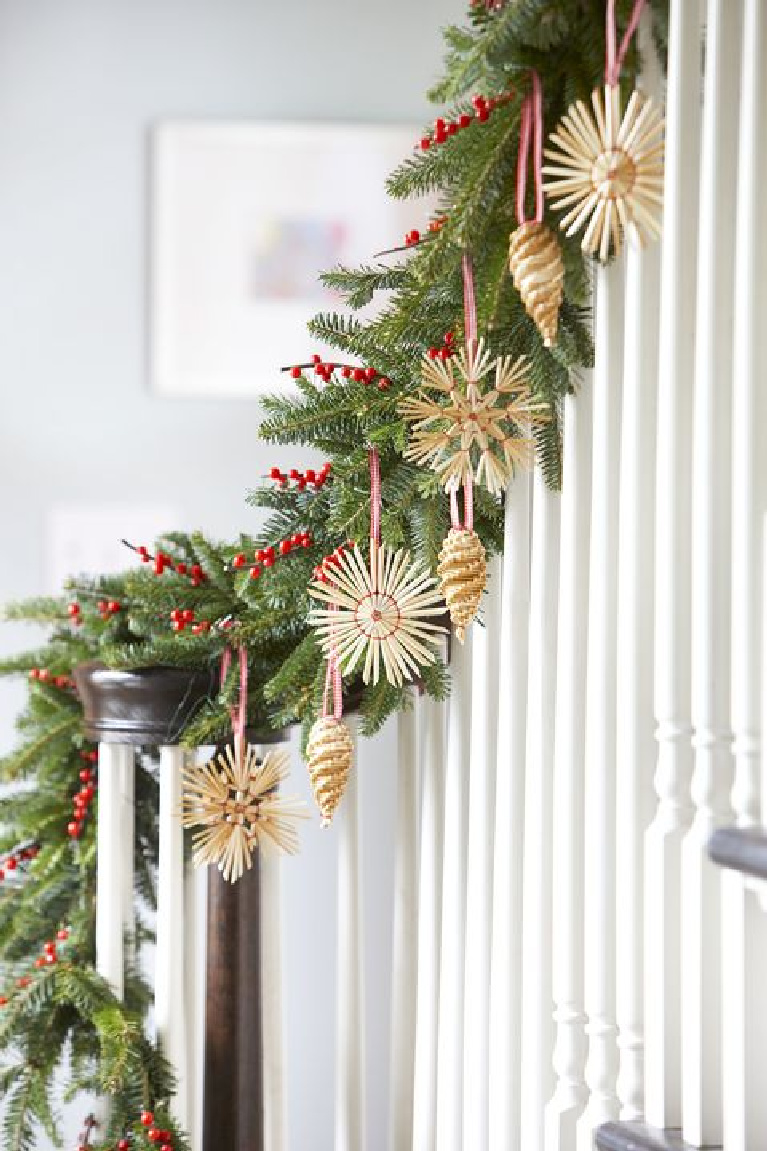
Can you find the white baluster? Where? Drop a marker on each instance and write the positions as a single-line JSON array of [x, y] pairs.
[[636, 550], [195, 964], [431, 757], [272, 1019], [450, 1033], [672, 570], [744, 924], [405, 937], [537, 1024], [599, 817], [711, 597], [115, 860], [169, 1003], [350, 1063], [506, 953], [479, 900], [569, 1096]]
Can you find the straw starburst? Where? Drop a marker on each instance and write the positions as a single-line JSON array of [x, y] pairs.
[[459, 424], [607, 170], [379, 614], [234, 800]]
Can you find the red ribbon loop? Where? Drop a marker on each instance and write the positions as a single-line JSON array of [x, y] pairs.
[[615, 56], [239, 713], [531, 127]]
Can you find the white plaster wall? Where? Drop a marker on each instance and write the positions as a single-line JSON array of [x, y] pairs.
[[81, 83]]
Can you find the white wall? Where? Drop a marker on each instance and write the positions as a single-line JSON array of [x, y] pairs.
[[81, 83]]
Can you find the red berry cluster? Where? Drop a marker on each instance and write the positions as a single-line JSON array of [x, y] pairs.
[[154, 1134], [162, 561], [42, 675], [265, 557], [446, 351], [359, 375], [332, 560], [302, 479], [443, 129], [48, 957], [74, 613], [83, 798], [108, 608], [180, 619], [413, 237], [20, 855]]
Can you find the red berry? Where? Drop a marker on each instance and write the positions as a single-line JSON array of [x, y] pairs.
[[316, 359], [268, 561], [39, 963], [153, 1135], [346, 373], [34, 673], [269, 553], [294, 474], [359, 375], [444, 353], [181, 569], [383, 384], [62, 934], [260, 554], [147, 1118], [464, 121], [10, 863], [2, 875], [425, 143], [197, 572], [285, 547], [43, 675], [188, 616], [255, 572], [89, 793], [166, 1147], [74, 609], [483, 114], [295, 373], [310, 475], [452, 128], [24, 981], [61, 681], [433, 353], [478, 102], [85, 775], [297, 539], [239, 560], [51, 958], [3, 1001], [165, 1136], [178, 625], [274, 473], [123, 1145], [113, 606], [73, 829], [176, 614], [159, 564], [49, 948], [449, 337]]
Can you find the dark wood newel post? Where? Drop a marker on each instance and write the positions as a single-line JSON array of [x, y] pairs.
[[233, 1108]]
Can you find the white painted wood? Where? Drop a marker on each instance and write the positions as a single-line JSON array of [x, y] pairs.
[[452, 955], [569, 1097], [272, 1018], [405, 937], [711, 580], [195, 967], [169, 1002], [479, 899], [114, 860], [506, 952], [744, 923], [635, 732], [537, 1073], [662, 971], [431, 757], [601, 670], [350, 1046], [749, 407]]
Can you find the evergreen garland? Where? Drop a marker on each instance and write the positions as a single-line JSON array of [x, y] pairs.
[[64, 1015]]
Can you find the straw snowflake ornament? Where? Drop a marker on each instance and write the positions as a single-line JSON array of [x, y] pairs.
[[606, 168], [458, 419], [378, 613], [234, 800]]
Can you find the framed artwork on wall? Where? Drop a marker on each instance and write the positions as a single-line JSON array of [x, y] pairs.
[[244, 217]]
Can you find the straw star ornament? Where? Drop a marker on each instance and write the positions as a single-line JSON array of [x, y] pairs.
[[378, 614], [234, 801], [464, 429], [607, 170]]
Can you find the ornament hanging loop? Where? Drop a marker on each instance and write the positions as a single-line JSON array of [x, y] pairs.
[[531, 129], [614, 55]]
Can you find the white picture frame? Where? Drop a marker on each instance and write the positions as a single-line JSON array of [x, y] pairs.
[[244, 217]]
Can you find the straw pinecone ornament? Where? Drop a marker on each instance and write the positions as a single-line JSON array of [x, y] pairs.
[[462, 571], [329, 761], [538, 272]]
